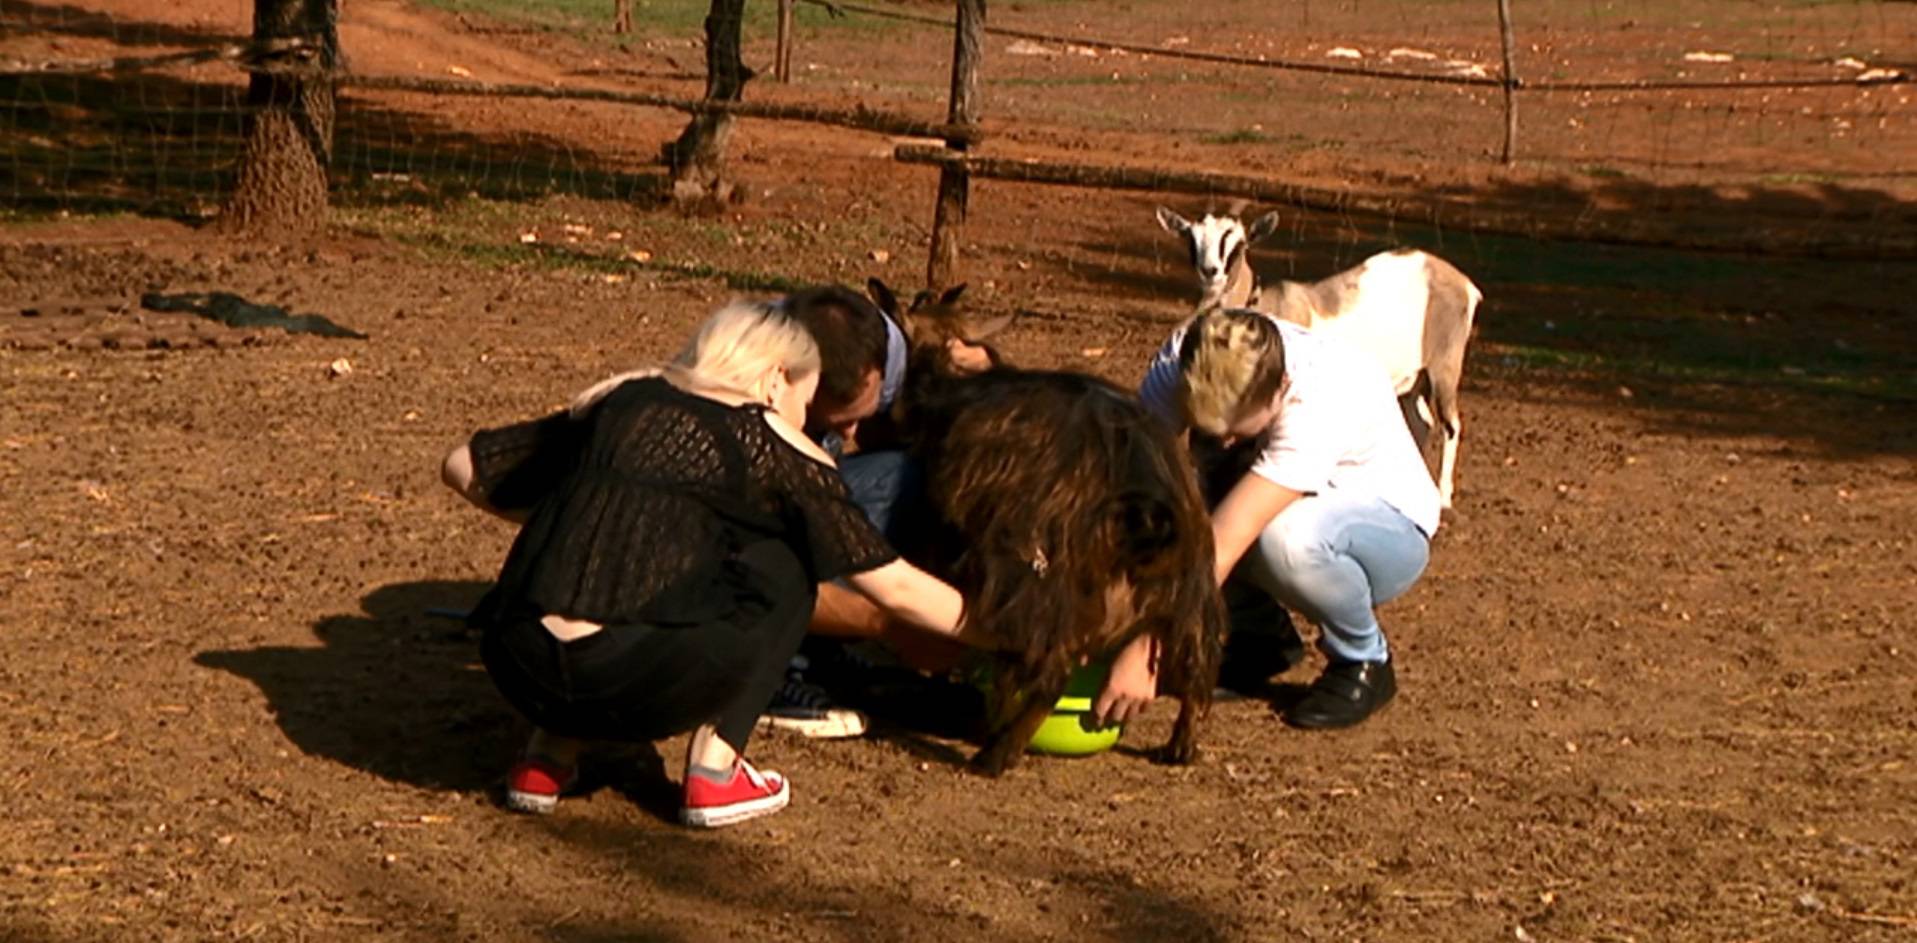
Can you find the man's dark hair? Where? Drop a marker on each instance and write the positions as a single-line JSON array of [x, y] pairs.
[[850, 331]]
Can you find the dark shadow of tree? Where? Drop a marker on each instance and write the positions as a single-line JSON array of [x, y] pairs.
[[158, 144], [28, 19]]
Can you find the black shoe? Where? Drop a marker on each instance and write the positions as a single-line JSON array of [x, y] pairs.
[[1263, 644], [1346, 694], [807, 709]]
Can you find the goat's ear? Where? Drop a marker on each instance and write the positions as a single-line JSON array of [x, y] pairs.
[[990, 327], [1172, 222], [952, 294], [882, 296], [1261, 227], [921, 301]]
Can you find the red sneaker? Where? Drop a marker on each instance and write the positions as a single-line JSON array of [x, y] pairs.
[[534, 785], [748, 795]]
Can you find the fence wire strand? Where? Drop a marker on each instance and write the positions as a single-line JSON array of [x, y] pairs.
[[99, 113]]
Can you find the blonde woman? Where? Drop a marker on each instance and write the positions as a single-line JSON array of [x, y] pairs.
[[676, 526], [1334, 517]]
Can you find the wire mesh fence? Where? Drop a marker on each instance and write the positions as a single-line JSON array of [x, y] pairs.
[[1810, 96]]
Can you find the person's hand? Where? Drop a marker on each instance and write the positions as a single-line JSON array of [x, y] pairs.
[[1131, 685]]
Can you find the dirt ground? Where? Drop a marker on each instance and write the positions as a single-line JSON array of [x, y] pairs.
[[1659, 683]]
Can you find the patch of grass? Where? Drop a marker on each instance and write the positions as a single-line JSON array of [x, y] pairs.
[[1067, 81], [1240, 136], [1796, 178], [10, 215], [1897, 385], [548, 257]]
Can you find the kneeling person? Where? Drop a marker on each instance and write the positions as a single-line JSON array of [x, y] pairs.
[[676, 527], [1336, 513]]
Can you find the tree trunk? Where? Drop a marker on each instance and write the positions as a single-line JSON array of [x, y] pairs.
[[697, 158], [289, 136]]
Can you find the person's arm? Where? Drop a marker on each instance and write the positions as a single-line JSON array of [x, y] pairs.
[[912, 595], [844, 613], [1247, 510], [1251, 505], [904, 591], [1158, 392], [508, 470], [456, 471]]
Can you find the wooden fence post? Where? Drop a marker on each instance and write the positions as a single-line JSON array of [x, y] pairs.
[[782, 60], [948, 220], [1510, 83]]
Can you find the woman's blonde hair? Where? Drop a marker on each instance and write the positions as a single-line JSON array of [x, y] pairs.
[[733, 350], [1230, 365]]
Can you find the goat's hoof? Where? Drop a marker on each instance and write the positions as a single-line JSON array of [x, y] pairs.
[[1177, 754], [993, 761]]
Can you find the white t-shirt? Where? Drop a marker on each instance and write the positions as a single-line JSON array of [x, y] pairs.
[[1338, 426]]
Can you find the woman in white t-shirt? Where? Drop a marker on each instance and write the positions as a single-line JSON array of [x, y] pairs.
[[1335, 515]]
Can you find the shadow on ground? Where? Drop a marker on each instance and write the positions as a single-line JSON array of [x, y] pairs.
[[161, 145], [384, 681], [785, 902], [1726, 343]]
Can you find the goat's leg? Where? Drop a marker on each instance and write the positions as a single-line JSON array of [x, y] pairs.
[[1005, 746], [1417, 416], [1182, 748], [1448, 463], [1444, 408]]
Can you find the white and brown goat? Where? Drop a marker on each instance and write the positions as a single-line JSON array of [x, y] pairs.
[[1412, 310]]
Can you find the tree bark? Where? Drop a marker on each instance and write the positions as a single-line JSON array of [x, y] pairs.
[[290, 107], [698, 158]]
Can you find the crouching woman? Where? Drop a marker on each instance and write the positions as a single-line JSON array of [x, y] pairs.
[[1334, 517], [676, 526]]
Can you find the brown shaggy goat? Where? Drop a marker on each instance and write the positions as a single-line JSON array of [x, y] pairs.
[[1070, 519]]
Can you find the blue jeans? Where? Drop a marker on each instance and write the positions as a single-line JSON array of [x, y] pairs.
[[888, 486], [1334, 558]]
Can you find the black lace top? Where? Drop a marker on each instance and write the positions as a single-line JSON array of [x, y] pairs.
[[639, 506]]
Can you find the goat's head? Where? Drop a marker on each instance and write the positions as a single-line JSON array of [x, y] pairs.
[[943, 336], [1217, 244]]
